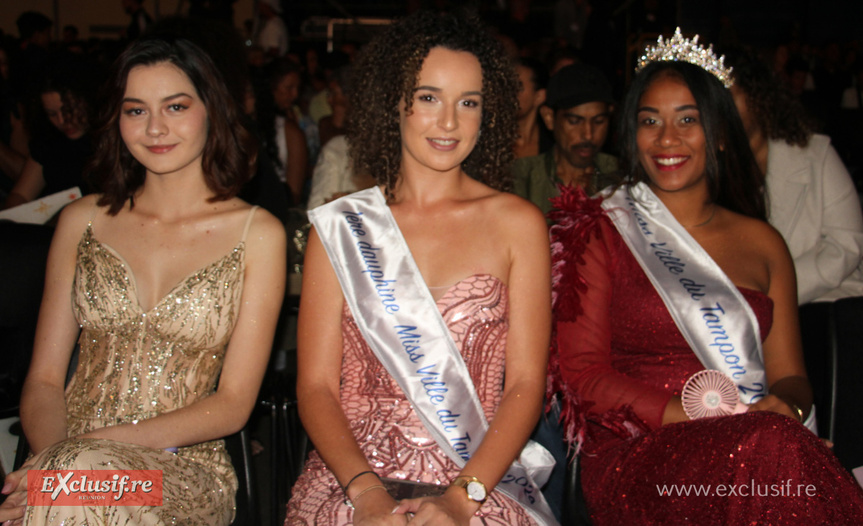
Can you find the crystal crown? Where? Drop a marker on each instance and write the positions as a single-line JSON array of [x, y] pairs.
[[678, 48]]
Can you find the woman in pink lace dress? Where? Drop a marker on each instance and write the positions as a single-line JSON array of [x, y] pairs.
[[434, 122]]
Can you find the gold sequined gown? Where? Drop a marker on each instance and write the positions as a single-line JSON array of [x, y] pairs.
[[135, 365], [385, 425]]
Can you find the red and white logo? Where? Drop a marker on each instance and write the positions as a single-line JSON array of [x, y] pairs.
[[104, 487]]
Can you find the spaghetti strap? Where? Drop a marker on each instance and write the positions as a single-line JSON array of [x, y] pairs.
[[248, 223], [93, 215]]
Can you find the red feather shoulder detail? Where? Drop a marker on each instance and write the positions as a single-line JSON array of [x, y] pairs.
[[576, 218]]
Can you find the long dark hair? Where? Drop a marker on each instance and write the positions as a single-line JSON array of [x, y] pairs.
[[734, 180], [386, 74], [230, 151]]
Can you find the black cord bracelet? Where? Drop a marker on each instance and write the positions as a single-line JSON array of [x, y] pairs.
[[355, 477]]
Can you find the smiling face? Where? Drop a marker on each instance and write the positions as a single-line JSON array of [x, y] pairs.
[[670, 138], [163, 120], [444, 120]]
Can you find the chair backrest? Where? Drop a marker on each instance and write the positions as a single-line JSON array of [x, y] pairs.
[[833, 351], [819, 349], [239, 447], [847, 342]]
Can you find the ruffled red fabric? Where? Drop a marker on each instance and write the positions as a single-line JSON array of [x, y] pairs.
[[577, 217]]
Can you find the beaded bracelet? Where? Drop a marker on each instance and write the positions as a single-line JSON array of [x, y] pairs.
[[350, 503]]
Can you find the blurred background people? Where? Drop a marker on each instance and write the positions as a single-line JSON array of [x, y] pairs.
[[578, 108], [533, 137], [811, 198]]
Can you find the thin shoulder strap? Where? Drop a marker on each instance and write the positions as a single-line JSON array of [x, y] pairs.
[[248, 223], [93, 215]]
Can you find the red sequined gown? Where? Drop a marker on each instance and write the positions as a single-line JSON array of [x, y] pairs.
[[384, 424], [620, 358]]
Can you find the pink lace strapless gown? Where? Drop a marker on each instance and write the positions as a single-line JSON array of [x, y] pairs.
[[384, 423]]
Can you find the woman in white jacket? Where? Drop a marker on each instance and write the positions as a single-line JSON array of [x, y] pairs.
[[811, 198]]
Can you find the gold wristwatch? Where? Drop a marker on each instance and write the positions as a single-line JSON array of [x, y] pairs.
[[473, 486]]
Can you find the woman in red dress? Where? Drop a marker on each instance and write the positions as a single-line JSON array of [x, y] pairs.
[[623, 354]]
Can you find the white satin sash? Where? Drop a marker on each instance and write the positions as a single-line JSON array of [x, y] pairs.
[[707, 307], [399, 320]]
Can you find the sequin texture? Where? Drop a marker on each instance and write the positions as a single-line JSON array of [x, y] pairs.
[[136, 364], [385, 425]]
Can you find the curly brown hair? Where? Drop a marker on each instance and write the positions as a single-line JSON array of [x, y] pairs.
[[779, 114], [387, 72], [230, 152]]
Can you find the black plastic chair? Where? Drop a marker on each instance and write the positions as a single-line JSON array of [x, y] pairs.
[[574, 511], [833, 351], [289, 442], [239, 447], [847, 422]]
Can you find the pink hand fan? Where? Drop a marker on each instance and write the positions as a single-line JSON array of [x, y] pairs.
[[711, 393]]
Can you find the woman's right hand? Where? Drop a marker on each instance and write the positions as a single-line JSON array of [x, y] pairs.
[[376, 508]]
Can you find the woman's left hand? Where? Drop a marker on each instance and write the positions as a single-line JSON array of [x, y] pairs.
[[453, 508], [775, 404], [15, 488]]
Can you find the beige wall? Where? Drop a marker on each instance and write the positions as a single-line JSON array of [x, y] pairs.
[[89, 14]]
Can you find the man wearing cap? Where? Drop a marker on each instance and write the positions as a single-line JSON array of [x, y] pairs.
[[577, 110]]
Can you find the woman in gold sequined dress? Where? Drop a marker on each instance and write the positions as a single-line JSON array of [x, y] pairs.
[[175, 285]]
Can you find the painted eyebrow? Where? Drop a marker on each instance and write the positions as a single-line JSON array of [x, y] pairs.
[[169, 97], [434, 89]]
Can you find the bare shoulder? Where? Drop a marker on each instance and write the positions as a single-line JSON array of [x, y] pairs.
[[754, 240], [266, 232], [762, 234], [516, 213], [77, 215]]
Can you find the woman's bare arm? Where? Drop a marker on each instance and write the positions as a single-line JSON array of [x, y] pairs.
[[319, 361], [43, 407], [28, 186], [783, 350]]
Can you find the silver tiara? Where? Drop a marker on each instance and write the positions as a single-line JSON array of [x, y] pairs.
[[678, 48]]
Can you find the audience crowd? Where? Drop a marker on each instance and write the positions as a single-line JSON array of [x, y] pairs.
[[801, 106]]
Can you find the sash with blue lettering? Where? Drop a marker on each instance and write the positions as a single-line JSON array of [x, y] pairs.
[[708, 309], [399, 320]]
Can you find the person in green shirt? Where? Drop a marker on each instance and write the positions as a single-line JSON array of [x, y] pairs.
[[577, 110]]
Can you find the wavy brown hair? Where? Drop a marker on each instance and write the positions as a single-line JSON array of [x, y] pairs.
[[779, 114], [387, 72], [229, 153]]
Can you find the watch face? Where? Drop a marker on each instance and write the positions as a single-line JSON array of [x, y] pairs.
[[476, 491]]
